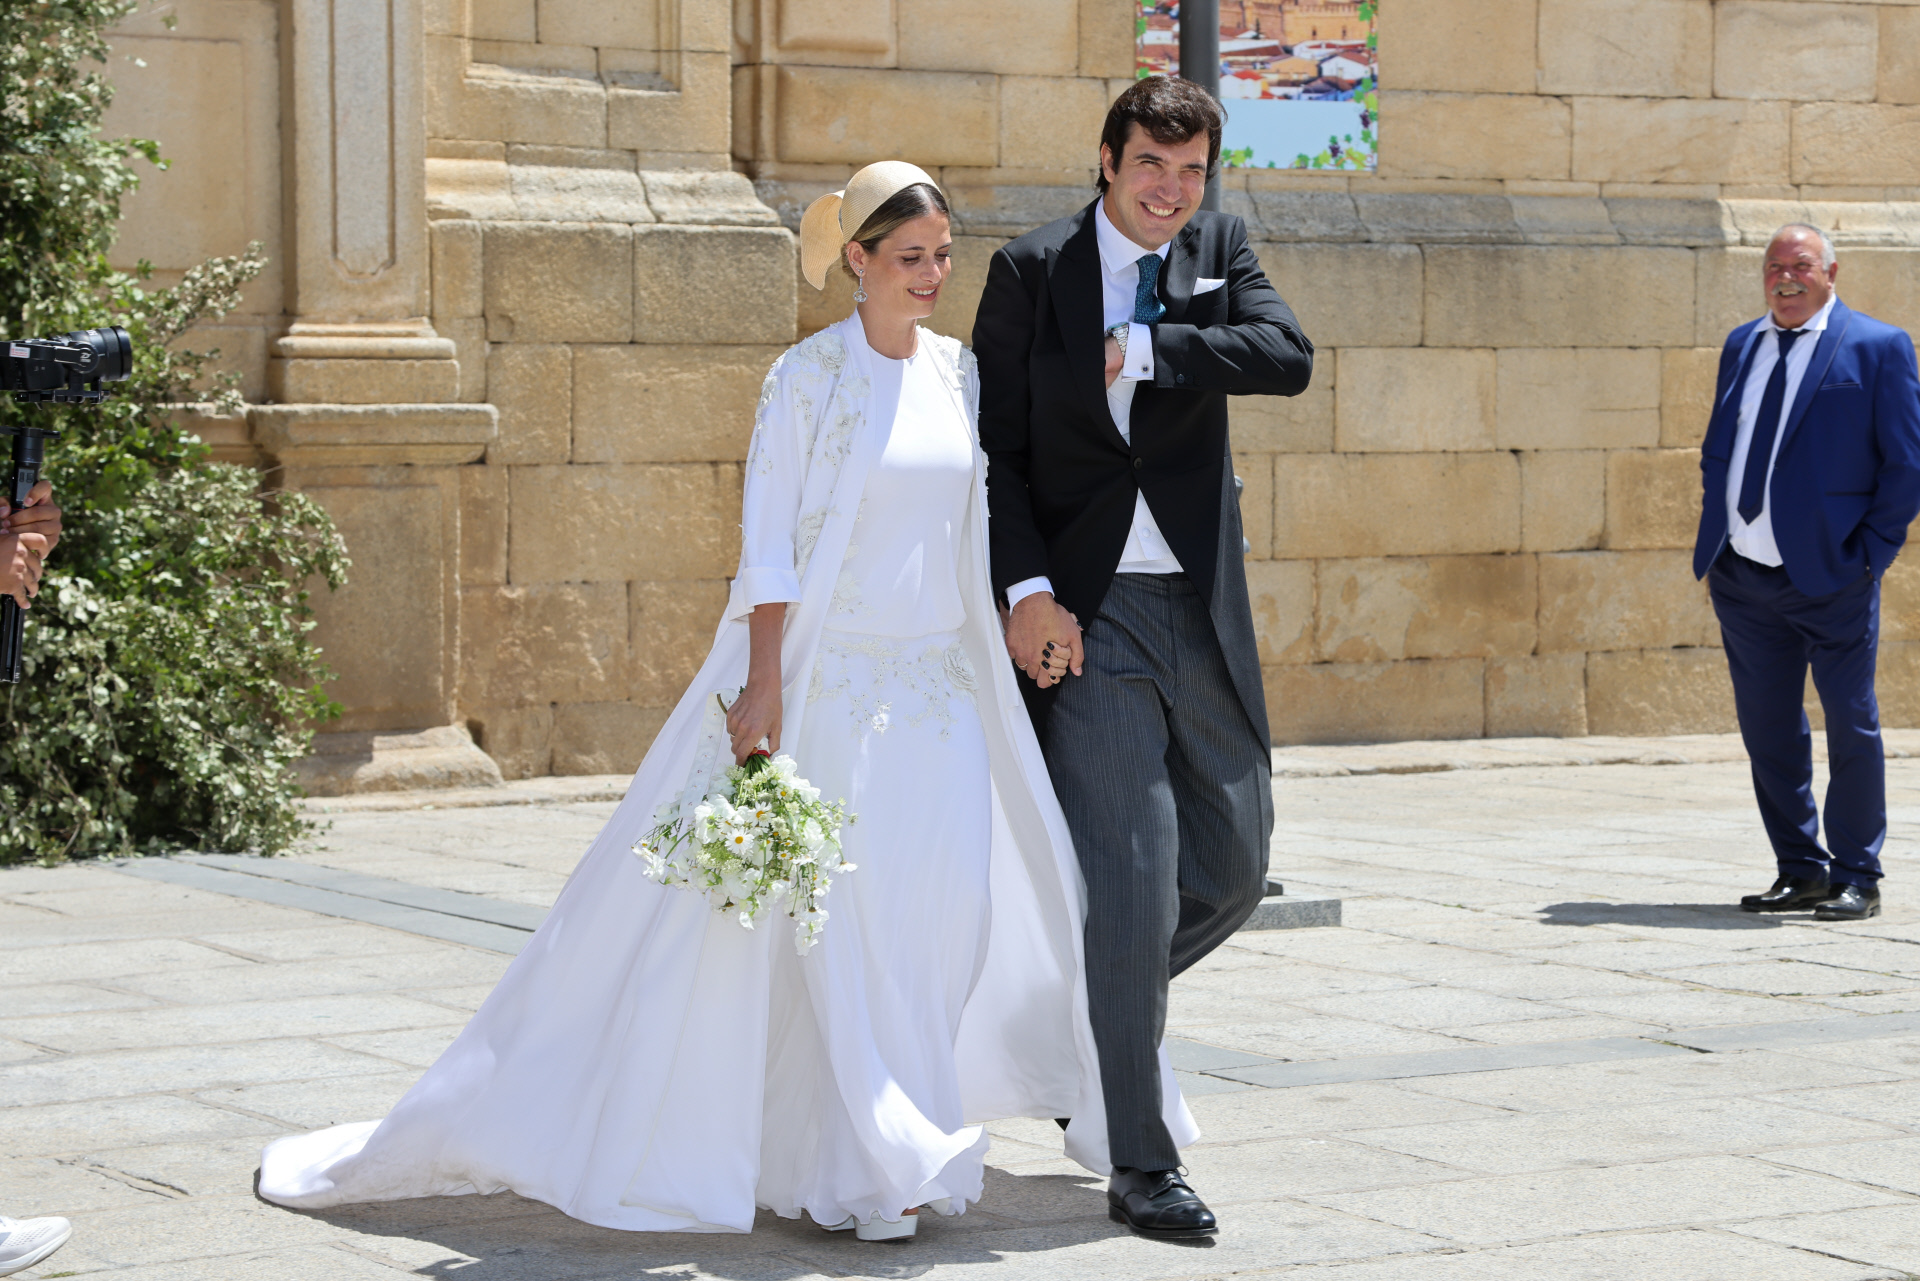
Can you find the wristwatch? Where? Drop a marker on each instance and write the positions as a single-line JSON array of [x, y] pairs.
[[1119, 334]]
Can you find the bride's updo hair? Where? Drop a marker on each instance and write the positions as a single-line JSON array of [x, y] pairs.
[[895, 212]]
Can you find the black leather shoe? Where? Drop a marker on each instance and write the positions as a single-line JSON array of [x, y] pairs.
[[1789, 894], [1158, 1203], [1849, 903]]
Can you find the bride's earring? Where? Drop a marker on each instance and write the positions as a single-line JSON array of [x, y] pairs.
[[860, 287]]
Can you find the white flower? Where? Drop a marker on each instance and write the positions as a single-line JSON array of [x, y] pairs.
[[753, 841], [958, 668]]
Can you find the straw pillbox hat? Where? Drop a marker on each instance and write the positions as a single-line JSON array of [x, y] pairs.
[[831, 221]]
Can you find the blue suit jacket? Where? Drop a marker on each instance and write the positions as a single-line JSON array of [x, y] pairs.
[[1846, 480]]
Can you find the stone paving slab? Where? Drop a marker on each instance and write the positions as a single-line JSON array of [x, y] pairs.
[[472, 906], [1687, 1255], [1387, 1067], [455, 928], [456, 916], [1428, 1100]]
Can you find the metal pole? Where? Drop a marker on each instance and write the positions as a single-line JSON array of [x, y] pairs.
[[1200, 62]]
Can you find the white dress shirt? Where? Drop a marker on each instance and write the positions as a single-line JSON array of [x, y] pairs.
[[1755, 541], [1146, 551]]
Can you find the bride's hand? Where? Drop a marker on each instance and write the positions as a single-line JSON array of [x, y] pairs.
[[755, 715]]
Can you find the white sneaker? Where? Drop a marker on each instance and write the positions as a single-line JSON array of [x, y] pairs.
[[25, 1242]]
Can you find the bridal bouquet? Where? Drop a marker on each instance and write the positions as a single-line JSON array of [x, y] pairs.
[[760, 838]]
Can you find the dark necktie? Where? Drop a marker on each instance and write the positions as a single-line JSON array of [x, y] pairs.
[[1147, 307], [1753, 484]]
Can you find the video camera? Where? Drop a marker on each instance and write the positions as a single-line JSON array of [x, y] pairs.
[[70, 369]]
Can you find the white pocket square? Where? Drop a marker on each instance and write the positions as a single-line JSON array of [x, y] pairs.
[[1207, 284]]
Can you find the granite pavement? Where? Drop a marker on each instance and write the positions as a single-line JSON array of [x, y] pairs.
[[1543, 1044]]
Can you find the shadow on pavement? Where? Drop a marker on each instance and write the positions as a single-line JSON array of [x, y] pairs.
[[1672, 916], [504, 1237]]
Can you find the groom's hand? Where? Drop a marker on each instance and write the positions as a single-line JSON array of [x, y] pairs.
[[1115, 359], [1044, 639]]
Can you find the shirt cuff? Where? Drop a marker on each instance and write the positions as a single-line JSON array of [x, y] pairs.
[[1027, 587], [763, 585], [1138, 366]]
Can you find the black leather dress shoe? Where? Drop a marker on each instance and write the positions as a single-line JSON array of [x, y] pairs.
[[1848, 903], [1158, 1203], [1789, 894]]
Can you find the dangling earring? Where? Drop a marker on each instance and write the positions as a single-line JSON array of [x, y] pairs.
[[860, 286]]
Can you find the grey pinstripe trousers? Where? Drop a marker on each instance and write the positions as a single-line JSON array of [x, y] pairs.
[[1168, 795]]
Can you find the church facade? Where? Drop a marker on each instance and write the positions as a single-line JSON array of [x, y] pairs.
[[530, 259]]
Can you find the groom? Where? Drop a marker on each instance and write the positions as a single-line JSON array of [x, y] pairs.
[[1108, 343]]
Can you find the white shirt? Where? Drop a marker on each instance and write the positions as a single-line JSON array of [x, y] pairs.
[[1755, 541], [1146, 551]]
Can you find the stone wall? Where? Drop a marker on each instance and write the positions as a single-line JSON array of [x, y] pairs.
[[1475, 521], [1478, 520]]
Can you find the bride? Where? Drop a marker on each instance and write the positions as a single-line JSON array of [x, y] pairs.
[[647, 1064]]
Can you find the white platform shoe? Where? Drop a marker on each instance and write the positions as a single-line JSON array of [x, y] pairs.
[[878, 1228]]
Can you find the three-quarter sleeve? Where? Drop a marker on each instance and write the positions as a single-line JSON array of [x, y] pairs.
[[770, 506]]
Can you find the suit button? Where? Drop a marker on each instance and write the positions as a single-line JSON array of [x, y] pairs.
[[1180, 378], [1137, 464]]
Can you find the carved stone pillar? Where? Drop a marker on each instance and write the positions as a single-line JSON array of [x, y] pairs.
[[357, 211], [366, 421]]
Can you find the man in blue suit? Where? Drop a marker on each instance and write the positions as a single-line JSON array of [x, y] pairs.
[[1811, 467]]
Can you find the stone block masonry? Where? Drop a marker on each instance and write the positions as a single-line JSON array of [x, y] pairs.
[[1518, 469], [629, 318], [1474, 522]]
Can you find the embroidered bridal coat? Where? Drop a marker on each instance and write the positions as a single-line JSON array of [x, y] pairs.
[[617, 1071]]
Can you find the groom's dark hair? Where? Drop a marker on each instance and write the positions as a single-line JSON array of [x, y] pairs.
[[1169, 110]]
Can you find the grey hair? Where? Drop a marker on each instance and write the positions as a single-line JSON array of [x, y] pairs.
[[1827, 256]]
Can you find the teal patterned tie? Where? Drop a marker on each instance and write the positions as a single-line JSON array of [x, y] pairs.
[[1147, 307]]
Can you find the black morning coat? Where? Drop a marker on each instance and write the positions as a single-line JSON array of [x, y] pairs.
[[1061, 478]]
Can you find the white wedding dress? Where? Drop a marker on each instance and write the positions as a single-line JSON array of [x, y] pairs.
[[647, 1064], [863, 1101]]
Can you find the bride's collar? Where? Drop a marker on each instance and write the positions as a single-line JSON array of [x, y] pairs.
[[854, 333]]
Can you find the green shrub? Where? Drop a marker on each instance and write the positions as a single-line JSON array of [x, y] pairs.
[[170, 681]]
